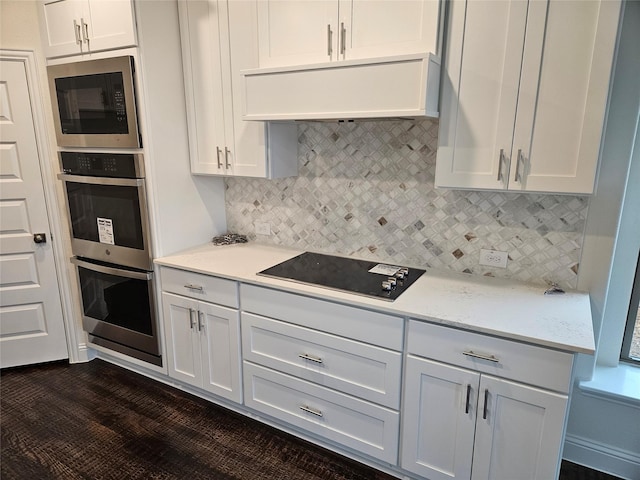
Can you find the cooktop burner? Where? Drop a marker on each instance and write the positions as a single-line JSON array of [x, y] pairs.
[[371, 279]]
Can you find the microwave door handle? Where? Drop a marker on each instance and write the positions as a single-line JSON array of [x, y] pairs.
[[124, 182], [120, 272]]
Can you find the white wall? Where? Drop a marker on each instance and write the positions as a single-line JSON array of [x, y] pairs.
[[604, 433]]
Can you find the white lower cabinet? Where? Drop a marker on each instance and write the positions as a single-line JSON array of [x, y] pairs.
[[203, 345], [462, 423]]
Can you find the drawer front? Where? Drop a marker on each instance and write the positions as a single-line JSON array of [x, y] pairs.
[[199, 286], [514, 360], [366, 371], [351, 322], [354, 423]]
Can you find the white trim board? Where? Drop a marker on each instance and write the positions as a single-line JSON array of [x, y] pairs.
[[615, 461]]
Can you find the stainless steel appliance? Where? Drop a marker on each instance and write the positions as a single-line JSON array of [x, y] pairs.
[[107, 206], [119, 309], [106, 201], [362, 277], [94, 103]]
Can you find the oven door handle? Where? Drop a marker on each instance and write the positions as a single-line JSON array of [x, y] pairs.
[[120, 272], [124, 182]]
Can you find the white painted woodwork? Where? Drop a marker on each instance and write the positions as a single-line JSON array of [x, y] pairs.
[[438, 429], [518, 361], [31, 322], [519, 438], [403, 86], [296, 32], [346, 420], [522, 434], [218, 40], [71, 27], [203, 345], [344, 364], [363, 325], [199, 286], [531, 83]]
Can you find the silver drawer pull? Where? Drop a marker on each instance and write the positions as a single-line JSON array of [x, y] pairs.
[[310, 410], [191, 286], [482, 356], [311, 358]]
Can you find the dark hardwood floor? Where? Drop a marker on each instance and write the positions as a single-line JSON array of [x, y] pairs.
[[99, 421]]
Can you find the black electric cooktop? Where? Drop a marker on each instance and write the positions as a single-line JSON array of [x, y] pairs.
[[362, 277]]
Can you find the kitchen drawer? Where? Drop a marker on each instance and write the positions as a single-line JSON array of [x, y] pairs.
[[351, 322], [340, 418], [366, 371], [199, 286], [514, 360]]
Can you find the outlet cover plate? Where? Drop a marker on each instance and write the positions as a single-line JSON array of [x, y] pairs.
[[493, 258]]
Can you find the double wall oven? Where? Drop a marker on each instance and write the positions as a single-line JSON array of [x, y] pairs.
[[95, 111]]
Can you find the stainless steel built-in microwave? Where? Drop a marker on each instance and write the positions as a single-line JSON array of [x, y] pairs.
[[94, 103]]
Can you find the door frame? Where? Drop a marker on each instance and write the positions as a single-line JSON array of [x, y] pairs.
[[69, 298]]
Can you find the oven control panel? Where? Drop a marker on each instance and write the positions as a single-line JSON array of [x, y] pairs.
[[91, 164]]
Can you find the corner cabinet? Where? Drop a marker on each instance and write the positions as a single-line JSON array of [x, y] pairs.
[[203, 337], [298, 33], [461, 420], [218, 40], [524, 94], [72, 27]]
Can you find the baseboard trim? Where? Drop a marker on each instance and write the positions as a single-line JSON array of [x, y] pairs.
[[614, 461]]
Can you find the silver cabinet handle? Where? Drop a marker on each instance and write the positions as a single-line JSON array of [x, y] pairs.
[[85, 31], [310, 410], [311, 358], [500, 160], [218, 157], [76, 29], [329, 38], [343, 38], [191, 286], [482, 356], [200, 321], [517, 177], [191, 320], [466, 405], [486, 401], [226, 157]]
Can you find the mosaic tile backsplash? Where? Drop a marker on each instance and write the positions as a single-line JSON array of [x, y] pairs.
[[366, 189]]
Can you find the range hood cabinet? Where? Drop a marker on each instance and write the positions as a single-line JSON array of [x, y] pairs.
[[392, 87]]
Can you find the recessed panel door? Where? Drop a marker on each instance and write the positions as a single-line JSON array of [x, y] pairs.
[[31, 322]]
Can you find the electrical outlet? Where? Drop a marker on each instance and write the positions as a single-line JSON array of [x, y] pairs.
[[493, 258], [263, 228]]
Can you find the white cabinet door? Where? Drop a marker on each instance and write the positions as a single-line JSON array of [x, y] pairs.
[[111, 24], [207, 105], [525, 111], [518, 431], [182, 338], [387, 27], [297, 32], [61, 26], [219, 39], [219, 329], [71, 27], [439, 419], [563, 94]]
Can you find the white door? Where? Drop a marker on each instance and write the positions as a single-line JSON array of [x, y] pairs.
[[219, 329], [183, 343], [111, 24], [61, 27], [439, 419], [518, 431], [31, 322]]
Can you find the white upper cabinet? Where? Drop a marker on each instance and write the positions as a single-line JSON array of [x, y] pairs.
[[299, 32], [524, 94], [71, 27], [219, 38]]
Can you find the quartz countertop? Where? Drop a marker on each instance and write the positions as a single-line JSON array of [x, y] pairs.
[[504, 308]]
